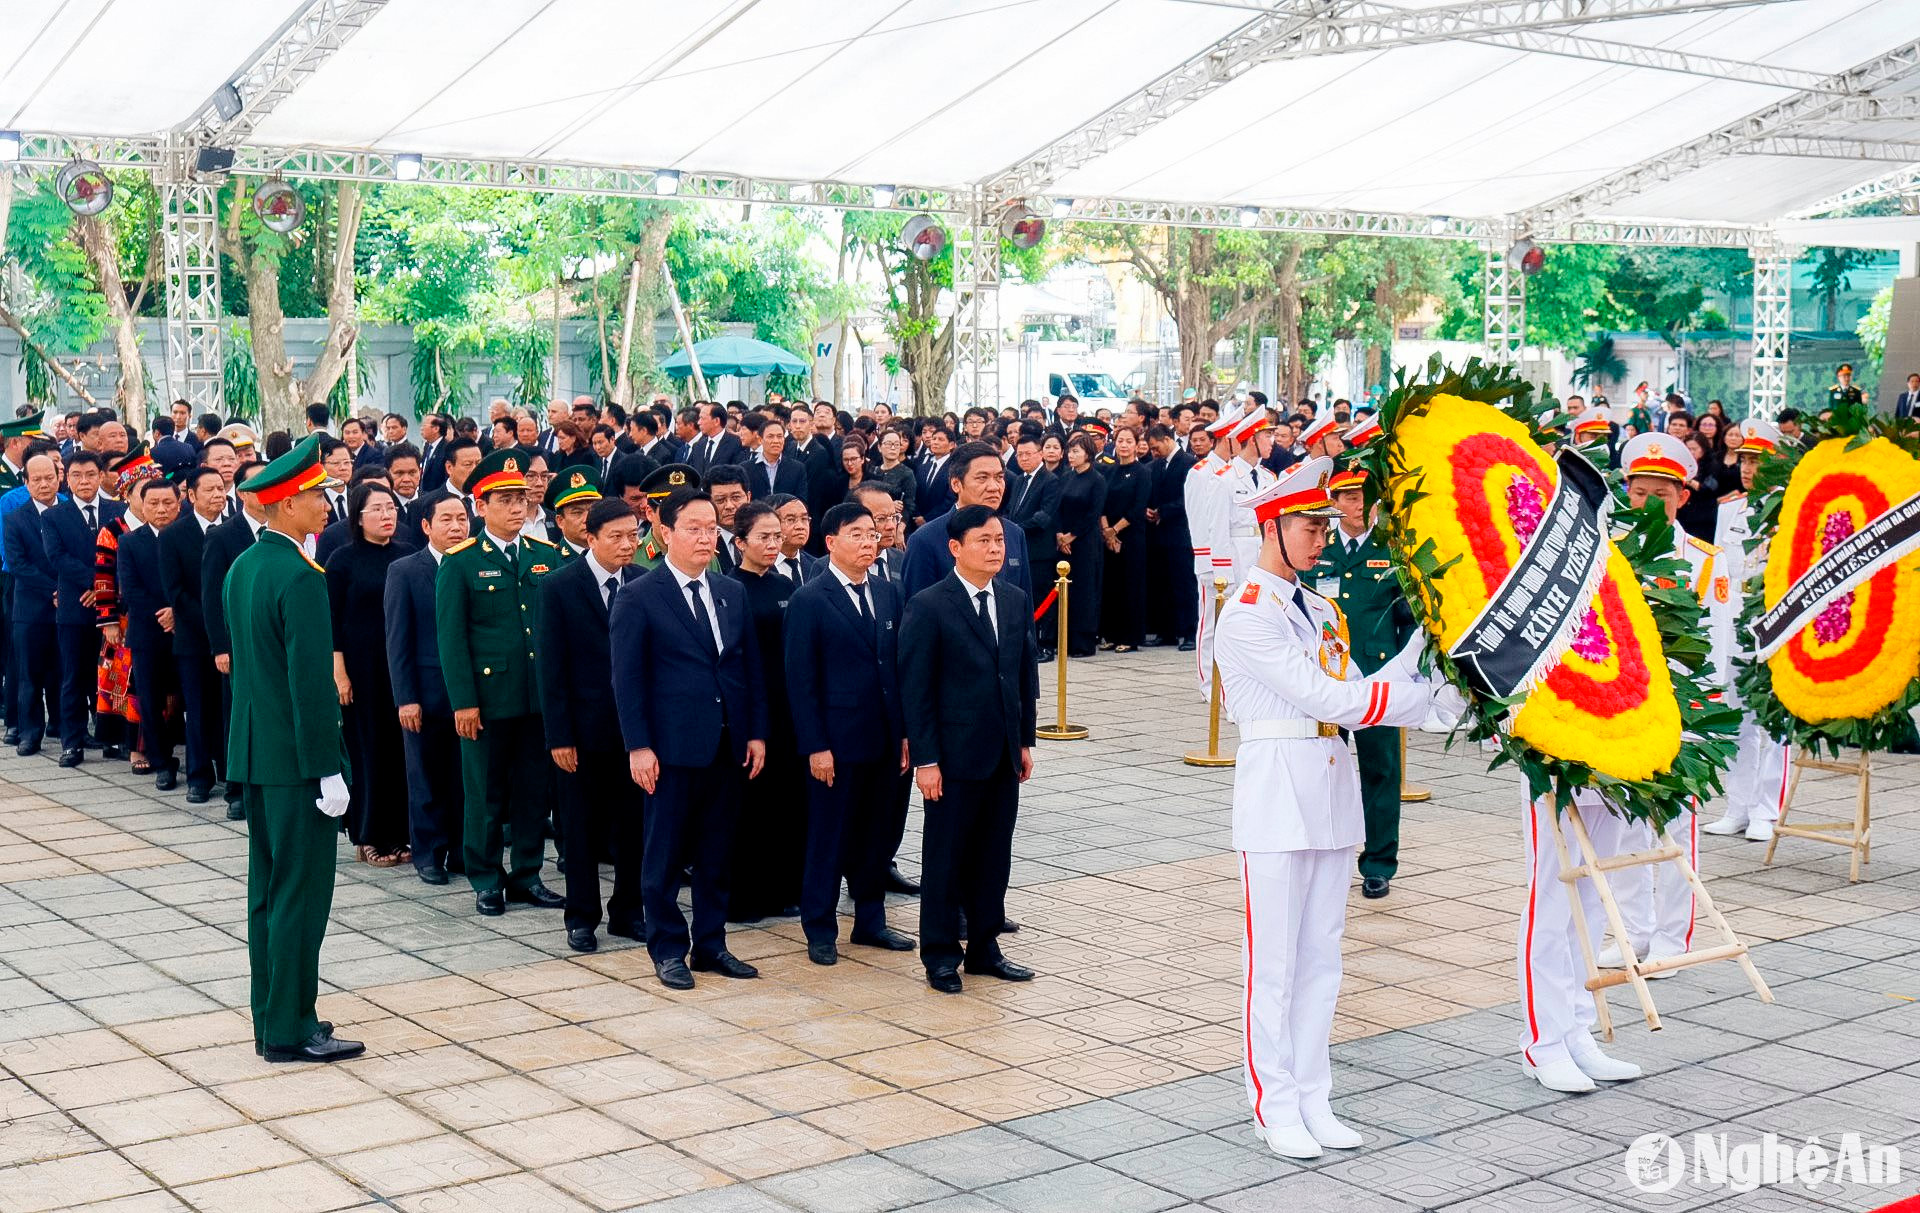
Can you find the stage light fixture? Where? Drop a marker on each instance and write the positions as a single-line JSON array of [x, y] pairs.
[[1062, 207], [666, 182], [1526, 256], [923, 238], [1438, 224], [406, 166], [9, 146], [883, 196], [1249, 216], [212, 159], [1020, 227], [226, 102]]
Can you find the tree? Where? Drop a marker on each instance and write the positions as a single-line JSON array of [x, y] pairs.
[[60, 309], [911, 309], [260, 254], [1832, 273], [130, 231]]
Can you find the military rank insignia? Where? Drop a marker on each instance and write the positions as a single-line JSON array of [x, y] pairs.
[[1251, 594]]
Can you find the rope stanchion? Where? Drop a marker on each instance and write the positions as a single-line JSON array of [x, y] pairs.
[[1212, 757], [1410, 793], [1060, 730]]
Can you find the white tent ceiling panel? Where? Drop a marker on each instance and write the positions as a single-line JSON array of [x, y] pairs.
[[1745, 189]]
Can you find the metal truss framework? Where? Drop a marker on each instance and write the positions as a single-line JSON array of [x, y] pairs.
[[1785, 118], [1903, 184], [976, 298], [294, 53], [1506, 302], [1772, 329], [190, 236]]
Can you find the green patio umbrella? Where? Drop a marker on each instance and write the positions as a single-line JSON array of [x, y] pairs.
[[734, 356]]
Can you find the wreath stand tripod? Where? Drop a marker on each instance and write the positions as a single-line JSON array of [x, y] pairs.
[[1594, 868], [1859, 836]]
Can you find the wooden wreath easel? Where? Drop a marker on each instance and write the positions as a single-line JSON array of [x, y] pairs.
[[1859, 836], [1594, 868]]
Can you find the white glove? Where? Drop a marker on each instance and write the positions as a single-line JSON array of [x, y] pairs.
[[1445, 709], [333, 796]]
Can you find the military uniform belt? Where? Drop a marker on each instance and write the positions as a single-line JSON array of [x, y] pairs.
[[1286, 730]]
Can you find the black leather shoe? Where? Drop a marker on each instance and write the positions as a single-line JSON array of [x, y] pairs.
[[198, 794], [944, 979], [10, 737], [1048, 655], [1008, 926], [113, 753], [823, 953], [726, 964], [885, 937], [538, 895], [897, 882], [28, 747], [72, 758], [492, 904], [1373, 887], [673, 974], [628, 930], [321, 1046], [432, 873], [1003, 968], [1187, 646], [236, 810], [92, 743], [166, 778], [581, 939]]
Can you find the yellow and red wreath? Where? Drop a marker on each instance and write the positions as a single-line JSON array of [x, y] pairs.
[[1475, 483]]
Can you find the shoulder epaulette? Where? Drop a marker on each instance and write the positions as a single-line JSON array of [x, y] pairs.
[[311, 562], [1704, 546], [1736, 495], [545, 543], [463, 545]]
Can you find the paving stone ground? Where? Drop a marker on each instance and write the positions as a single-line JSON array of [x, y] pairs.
[[506, 1073]]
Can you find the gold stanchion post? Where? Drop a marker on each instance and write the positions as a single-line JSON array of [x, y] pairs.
[[1061, 730], [1410, 793], [1212, 757]]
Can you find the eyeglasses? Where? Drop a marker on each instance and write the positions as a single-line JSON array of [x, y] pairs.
[[697, 532]]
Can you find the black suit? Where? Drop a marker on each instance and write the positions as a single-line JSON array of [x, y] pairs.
[[30, 618], [224, 545], [436, 804], [182, 551], [71, 546], [808, 568], [789, 477], [433, 465], [843, 680], [1907, 405], [1173, 603], [155, 672], [935, 494], [696, 709], [1032, 502], [712, 452], [971, 713], [826, 486], [600, 805]]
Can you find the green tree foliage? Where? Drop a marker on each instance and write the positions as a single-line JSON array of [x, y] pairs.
[[63, 309]]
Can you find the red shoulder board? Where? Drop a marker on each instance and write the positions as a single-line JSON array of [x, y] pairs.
[[1251, 593]]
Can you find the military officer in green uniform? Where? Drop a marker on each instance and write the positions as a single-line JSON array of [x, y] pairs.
[[14, 437], [485, 604], [570, 494], [1845, 391], [285, 749], [1356, 572], [661, 483]]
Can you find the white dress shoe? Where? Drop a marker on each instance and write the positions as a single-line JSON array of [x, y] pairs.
[[1563, 1076], [1611, 957], [1726, 825], [1760, 831], [1664, 973], [1290, 1141], [1329, 1132], [1597, 1065]]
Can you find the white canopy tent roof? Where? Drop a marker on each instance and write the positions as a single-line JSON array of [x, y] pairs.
[[1480, 109]]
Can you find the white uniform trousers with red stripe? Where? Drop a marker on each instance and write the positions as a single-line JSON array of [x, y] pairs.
[[1203, 637], [1656, 902], [1554, 1002], [1757, 781], [1296, 907]]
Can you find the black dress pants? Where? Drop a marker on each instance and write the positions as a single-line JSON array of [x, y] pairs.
[[601, 810], [154, 679], [200, 689], [79, 680], [691, 816], [849, 833], [435, 803], [965, 859], [36, 665]]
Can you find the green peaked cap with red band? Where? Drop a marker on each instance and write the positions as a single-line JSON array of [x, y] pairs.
[[503, 468], [294, 472]]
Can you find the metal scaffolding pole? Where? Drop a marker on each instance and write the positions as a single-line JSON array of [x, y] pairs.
[[1772, 329], [190, 235], [976, 299], [1506, 303]]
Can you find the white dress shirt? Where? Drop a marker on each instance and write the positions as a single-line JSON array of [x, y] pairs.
[[706, 593], [847, 583], [993, 603], [600, 577]]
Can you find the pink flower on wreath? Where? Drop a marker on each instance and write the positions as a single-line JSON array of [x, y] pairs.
[[1527, 509], [1831, 624]]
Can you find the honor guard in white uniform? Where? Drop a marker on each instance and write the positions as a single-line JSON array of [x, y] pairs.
[[1593, 435], [1656, 905], [1762, 766], [1291, 685], [1209, 506], [1247, 478]]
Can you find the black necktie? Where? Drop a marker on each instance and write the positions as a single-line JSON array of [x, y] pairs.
[[610, 585], [866, 611], [793, 569], [1300, 600], [701, 617], [91, 524], [880, 566], [508, 552], [986, 616]]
